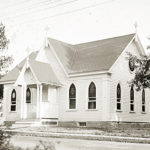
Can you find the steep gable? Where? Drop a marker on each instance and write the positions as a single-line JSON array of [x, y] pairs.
[[91, 56], [42, 71]]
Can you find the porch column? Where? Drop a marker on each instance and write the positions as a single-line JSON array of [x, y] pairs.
[[23, 102], [38, 102], [41, 93]]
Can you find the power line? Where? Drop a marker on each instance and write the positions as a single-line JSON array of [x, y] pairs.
[[22, 2], [27, 8], [9, 4], [66, 12]]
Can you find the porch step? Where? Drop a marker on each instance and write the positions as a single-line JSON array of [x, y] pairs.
[[34, 122], [26, 123], [49, 121]]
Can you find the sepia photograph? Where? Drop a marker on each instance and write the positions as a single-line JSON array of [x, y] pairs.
[[74, 74]]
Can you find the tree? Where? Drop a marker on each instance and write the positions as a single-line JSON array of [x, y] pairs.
[[141, 78], [5, 60]]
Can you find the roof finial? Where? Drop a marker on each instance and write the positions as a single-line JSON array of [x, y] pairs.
[[46, 32], [27, 51], [135, 25]]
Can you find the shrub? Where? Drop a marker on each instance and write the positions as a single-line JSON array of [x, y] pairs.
[[6, 145]]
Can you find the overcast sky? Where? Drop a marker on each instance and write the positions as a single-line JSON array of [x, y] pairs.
[[28, 22]]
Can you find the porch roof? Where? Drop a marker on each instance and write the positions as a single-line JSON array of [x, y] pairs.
[[42, 71], [13, 74]]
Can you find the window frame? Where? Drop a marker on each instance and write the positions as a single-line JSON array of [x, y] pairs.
[[13, 101], [132, 101], [118, 97], [143, 101], [72, 98], [92, 99], [28, 101], [131, 65]]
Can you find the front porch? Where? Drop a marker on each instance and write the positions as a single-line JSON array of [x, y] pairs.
[[38, 102], [38, 90], [32, 93]]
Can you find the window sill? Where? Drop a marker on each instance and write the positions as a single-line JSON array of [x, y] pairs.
[[71, 110], [119, 111], [12, 111], [143, 112], [91, 109], [132, 112]]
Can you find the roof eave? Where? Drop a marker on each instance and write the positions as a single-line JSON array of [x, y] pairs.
[[52, 84], [139, 45], [7, 82], [89, 73], [122, 52]]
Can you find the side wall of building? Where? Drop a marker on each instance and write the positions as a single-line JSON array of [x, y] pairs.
[[8, 114], [122, 75], [82, 113]]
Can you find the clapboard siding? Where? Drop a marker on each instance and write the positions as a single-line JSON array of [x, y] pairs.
[[121, 74]]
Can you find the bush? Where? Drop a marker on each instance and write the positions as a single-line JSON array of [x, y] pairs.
[[43, 145], [5, 142], [6, 145]]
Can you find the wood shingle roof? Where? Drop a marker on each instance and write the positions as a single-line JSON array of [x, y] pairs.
[[92, 56]]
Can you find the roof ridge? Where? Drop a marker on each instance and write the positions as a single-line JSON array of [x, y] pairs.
[[62, 42], [104, 39]]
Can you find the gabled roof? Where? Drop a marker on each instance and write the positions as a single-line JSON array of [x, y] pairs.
[[92, 56], [42, 71], [13, 74]]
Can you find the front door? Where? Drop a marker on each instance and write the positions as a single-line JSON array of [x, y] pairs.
[[31, 103]]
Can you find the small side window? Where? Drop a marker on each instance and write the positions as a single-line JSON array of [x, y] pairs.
[[72, 97], [118, 97], [92, 96], [143, 100], [13, 100], [28, 96], [132, 99]]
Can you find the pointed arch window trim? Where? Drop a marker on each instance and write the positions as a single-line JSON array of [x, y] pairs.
[[132, 109], [143, 101], [72, 97], [92, 96], [28, 95], [13, 101], [118, 95]]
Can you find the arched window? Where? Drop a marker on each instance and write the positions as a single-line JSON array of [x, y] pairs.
[[72, 97], [118, 97], [143, 100], [13, 100], [92, 96], [131, 64], [132, 99], [28, 96]]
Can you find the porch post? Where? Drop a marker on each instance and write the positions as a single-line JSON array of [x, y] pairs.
[[41, 93], [23, 103], [38, 102]]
